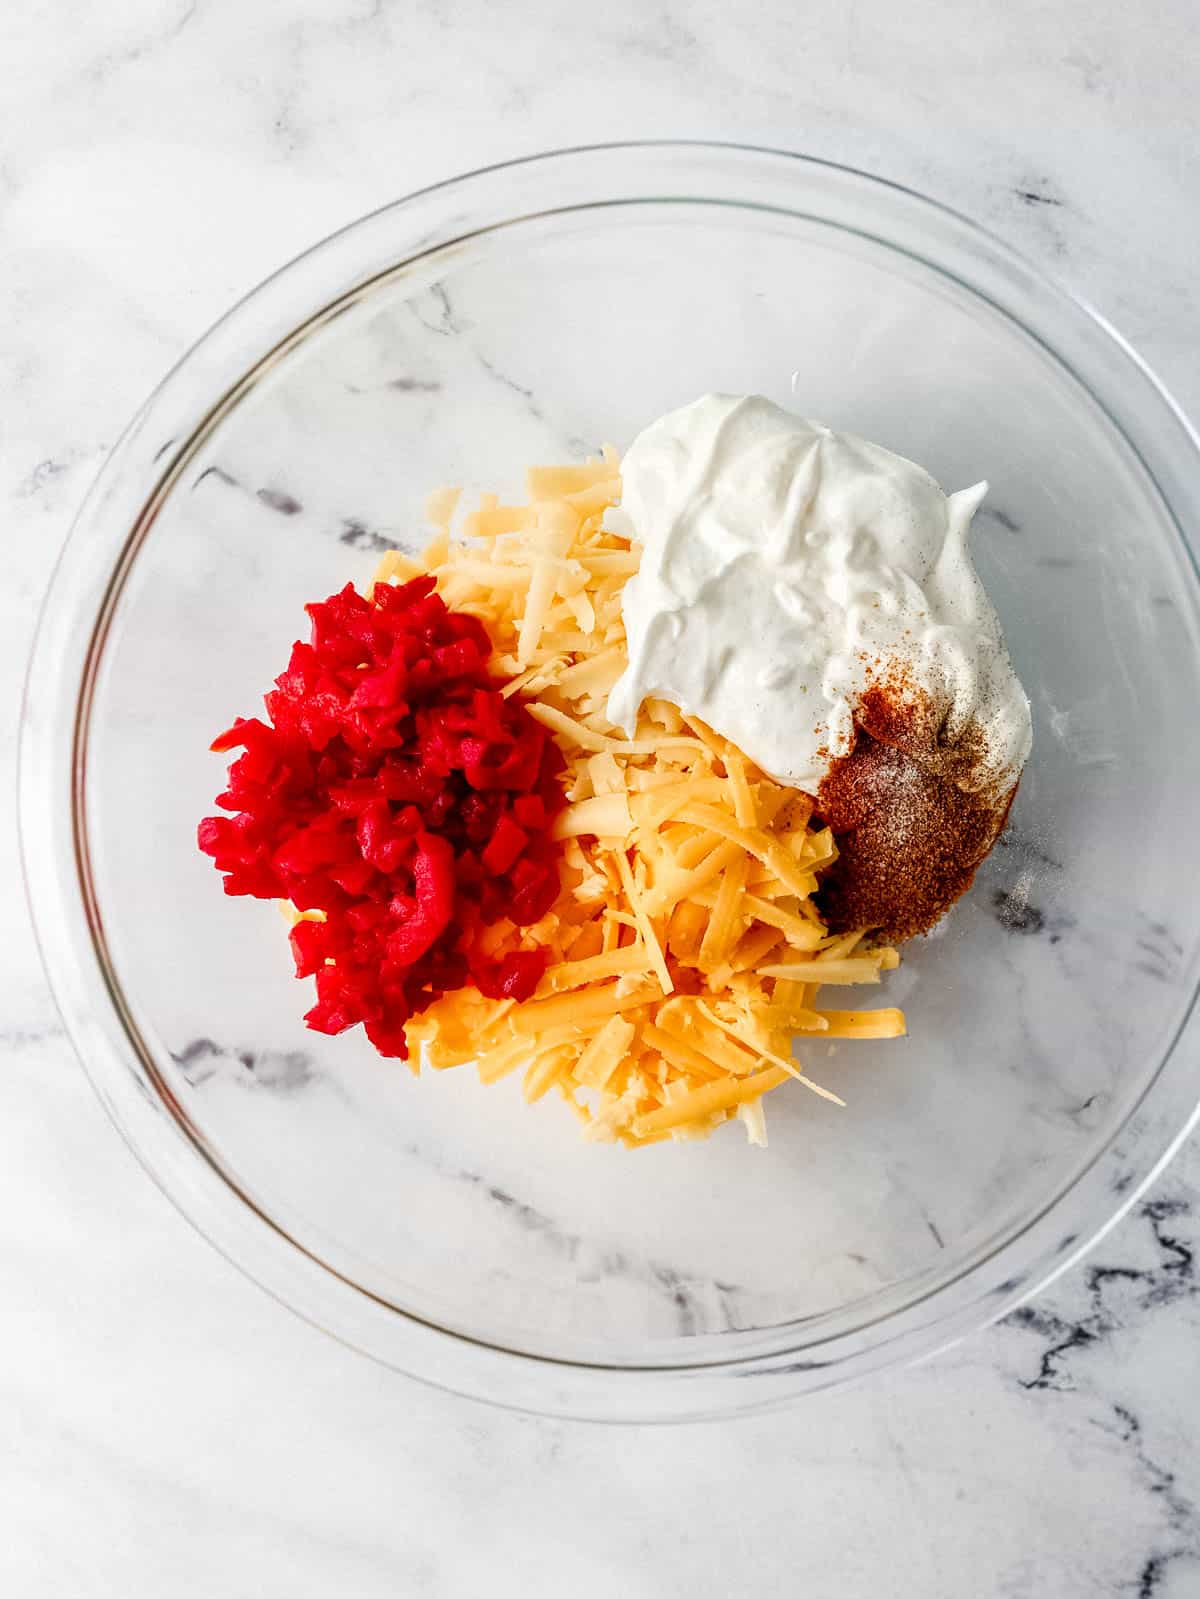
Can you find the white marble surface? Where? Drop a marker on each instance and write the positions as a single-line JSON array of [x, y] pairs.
[[167, 1428]]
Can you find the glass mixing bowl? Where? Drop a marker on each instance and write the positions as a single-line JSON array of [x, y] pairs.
[[531, 312]]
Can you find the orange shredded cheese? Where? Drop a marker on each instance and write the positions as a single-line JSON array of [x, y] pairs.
[[686, 953]]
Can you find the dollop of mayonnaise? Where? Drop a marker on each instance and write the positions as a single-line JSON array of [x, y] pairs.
[[785, 568]]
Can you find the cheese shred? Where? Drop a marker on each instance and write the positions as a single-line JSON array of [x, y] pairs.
[[685, 951]]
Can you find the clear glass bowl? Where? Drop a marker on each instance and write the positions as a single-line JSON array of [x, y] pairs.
[[531, 312]]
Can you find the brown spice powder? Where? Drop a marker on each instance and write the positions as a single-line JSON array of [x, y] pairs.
[[911, 828]]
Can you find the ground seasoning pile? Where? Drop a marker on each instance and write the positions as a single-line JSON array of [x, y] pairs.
[[911, 826]]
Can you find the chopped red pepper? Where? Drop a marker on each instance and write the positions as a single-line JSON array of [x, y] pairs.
[[506, 846], [514, 977], [394, 790]]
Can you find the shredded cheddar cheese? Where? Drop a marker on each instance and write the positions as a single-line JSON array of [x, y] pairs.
[[686, 953]]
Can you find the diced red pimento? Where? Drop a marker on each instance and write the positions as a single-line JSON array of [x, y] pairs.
[[397, 792]]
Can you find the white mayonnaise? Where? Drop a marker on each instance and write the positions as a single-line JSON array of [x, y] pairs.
[[784, 567]]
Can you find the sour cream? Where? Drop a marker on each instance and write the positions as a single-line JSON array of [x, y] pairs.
[[784, 569]]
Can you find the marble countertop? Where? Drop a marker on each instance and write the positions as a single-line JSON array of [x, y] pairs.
[[166, 1427]]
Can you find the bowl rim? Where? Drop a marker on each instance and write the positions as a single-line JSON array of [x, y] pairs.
[[69, 926]]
